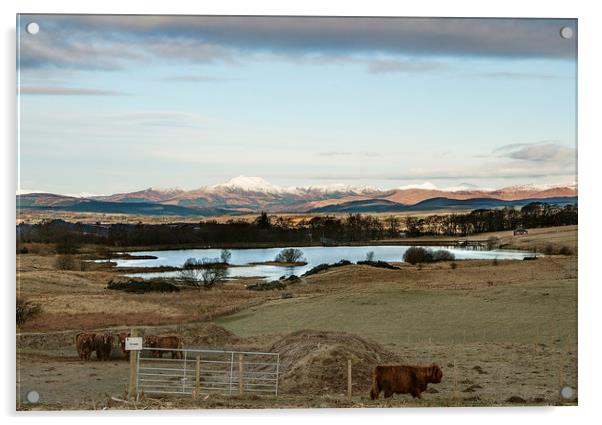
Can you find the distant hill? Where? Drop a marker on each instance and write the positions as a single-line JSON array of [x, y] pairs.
[[250, 195], [46, 200], [437, 204], [50, 202], [243, 194]]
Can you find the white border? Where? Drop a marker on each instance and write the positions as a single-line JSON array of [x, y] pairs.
[[589, 197]]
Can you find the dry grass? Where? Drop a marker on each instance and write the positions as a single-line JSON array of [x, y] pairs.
[[538, 239], [32, 217]]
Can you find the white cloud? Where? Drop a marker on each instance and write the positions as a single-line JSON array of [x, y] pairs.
[[538, 152]]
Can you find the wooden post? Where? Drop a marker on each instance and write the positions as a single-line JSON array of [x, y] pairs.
[[455, 377], [197, 377], [240, 377], [133, 372], [349, 383]]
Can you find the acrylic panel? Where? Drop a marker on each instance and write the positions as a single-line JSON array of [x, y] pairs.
[[271, 212]]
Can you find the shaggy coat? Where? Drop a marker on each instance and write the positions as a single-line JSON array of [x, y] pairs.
[[103, 345], [84, 344], [164, 341], [403, 379], [122, 336]]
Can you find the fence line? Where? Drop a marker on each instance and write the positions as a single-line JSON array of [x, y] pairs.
[[198, 371]]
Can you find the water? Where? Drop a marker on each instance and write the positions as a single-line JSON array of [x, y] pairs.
[[314, 255]]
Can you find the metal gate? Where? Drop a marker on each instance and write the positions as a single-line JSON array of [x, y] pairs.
[[194, 372]]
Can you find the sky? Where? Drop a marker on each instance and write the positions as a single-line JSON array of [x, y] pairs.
[[112, 103]]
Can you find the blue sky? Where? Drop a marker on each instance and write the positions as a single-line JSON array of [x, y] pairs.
[[119, 103]]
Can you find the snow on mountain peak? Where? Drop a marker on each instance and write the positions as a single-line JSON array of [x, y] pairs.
[[425, 186], [248, 184], [260, 185], [339, 188], [540, 187]]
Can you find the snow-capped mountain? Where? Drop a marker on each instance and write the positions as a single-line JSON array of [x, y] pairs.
[[260, 185], [247, 184], [244, 194]]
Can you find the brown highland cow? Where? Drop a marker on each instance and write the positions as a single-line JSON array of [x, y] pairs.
[[103, 345], [122, 336], [84, 344], [165, 342], [403, 379]]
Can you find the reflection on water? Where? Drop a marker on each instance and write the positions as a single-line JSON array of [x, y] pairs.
[[314, 255]]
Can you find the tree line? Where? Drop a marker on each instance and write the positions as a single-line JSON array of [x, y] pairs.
[[535, 214], [314, 230]]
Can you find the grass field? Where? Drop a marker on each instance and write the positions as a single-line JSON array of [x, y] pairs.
[[532, 313]]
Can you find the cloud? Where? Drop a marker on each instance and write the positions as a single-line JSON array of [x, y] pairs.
[[538, 152], [85, 51], [110, 41], [67, 91], [381, 66]]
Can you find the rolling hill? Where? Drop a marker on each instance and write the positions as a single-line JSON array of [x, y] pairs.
[[437, 204], [52, 202]]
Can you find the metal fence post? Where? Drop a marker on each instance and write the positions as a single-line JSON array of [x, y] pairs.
[[240, 374], [231, 372], [197, 377], [277, 372], [184, 373]]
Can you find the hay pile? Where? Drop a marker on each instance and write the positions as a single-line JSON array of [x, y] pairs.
[[208, 335], [315, 362]]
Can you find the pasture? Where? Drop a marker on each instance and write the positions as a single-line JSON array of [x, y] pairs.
[[399, 316], [504, 333]]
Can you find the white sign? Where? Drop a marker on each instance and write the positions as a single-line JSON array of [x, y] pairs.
[[133, 343]]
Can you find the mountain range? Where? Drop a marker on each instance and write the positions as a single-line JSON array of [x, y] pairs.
[[242, 195]]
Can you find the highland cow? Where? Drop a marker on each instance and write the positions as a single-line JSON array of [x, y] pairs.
[[165, 342], [103, 345], [403, 379], [84, 344], [122, 336]]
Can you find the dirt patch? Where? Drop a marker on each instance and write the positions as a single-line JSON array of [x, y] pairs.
[[315, 362]]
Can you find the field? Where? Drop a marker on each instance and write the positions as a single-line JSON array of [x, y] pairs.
[[504, 333], [35, 216]]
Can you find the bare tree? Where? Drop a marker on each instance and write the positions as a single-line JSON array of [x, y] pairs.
[[206, 272], [290, 255], [225, 256]]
